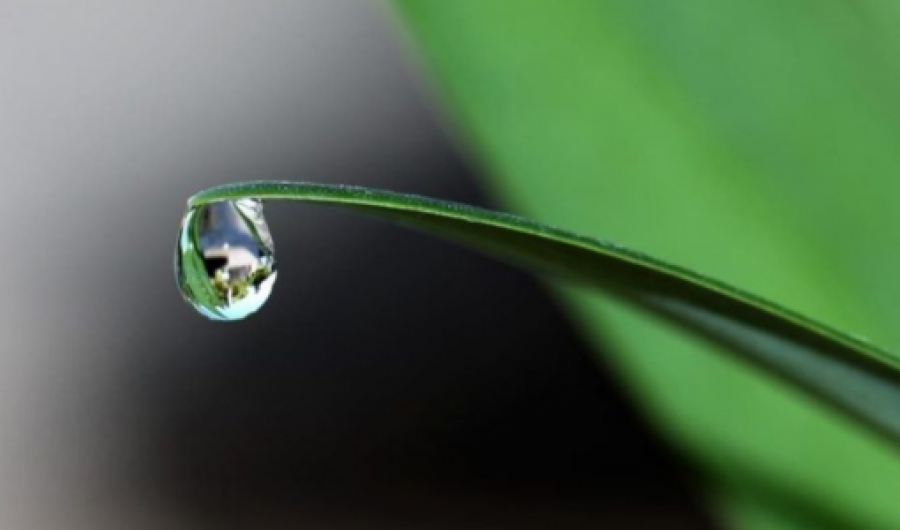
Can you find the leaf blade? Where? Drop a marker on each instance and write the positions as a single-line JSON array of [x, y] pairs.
[[860, 379]]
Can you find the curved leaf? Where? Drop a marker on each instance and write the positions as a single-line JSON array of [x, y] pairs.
[[857, 378]]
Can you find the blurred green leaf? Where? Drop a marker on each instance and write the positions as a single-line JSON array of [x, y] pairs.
[[752, 140]]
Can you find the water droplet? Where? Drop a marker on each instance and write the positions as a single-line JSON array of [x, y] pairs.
[[224, 260]]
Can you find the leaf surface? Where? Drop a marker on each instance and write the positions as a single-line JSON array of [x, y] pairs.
[[755, 141]]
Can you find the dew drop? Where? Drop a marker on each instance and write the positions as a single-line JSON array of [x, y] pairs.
[[224, 259]]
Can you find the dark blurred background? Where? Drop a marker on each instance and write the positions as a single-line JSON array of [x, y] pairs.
[[393, 380]]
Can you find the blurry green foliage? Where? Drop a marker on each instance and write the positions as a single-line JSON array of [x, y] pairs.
[[752, 140]]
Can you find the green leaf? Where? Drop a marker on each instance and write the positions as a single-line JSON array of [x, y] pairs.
[[854, 376], [752, 140]]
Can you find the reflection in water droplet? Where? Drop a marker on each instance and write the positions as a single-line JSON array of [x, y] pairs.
[[224, 260]]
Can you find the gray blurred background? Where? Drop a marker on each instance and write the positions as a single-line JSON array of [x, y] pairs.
[[393, 380]]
